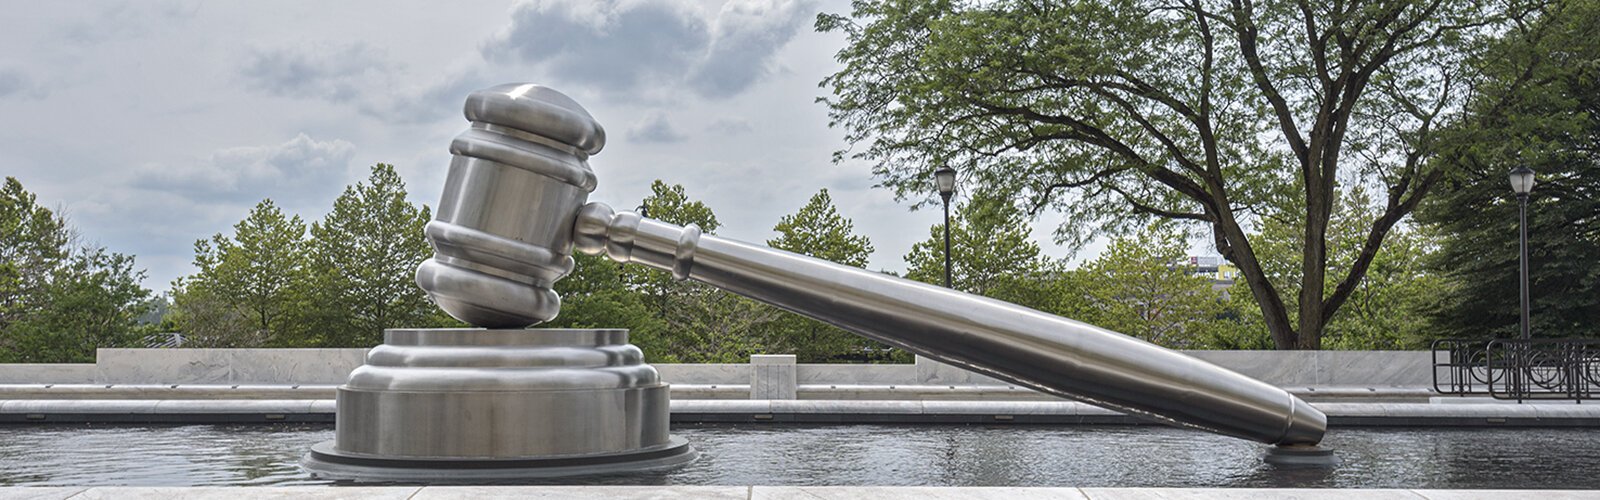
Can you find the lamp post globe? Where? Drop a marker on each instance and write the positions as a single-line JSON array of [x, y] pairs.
[[1521, 180], [1521, 184], [945, 179]]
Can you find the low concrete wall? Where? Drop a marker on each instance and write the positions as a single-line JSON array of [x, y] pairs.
[[48, 373], [1328, 368], [226, 366], [1280, 368], [708, 374], [331, 366], [809, 374]]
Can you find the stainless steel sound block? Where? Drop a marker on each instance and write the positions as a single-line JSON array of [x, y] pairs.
[[476, 405]]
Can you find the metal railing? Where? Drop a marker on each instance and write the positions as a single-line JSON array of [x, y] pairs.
[[1515, 369]]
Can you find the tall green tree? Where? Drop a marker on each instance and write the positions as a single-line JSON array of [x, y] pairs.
[[362, 257], [699, 323], [1119, 112], [818, 230], [1140, 287], [33, 243], [1540, 108], [668, 203], [1385, 311], [95, 300], [209, 320], [252, 273], [596, 295], [992, 254], [60, 300]]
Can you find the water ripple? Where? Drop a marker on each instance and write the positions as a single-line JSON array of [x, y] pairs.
[[934, 455]]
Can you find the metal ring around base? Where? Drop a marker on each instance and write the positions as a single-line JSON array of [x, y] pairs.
[[326, 462]]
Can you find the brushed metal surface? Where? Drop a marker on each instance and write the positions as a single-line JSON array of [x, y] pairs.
[[502, 234], [467, 393], [1007, 341], [518, 186]]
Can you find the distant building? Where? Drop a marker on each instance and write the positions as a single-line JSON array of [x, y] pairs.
[[1221, 272]]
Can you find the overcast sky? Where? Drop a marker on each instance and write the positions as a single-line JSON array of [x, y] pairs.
[[156, 123]]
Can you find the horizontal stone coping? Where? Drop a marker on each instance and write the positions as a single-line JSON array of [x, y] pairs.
[[333, 366], [756, 492], [810, 406], [1335, 391], [166, 406]]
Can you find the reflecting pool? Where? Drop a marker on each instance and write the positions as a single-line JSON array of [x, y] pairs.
[[931, 455]]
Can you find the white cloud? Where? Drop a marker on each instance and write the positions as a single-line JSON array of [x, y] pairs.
[[329, 71], [746, 36], [15, 83], [655, 127], [126, 20], [293, 169], [650, 48], [157, 210], [730, 126]]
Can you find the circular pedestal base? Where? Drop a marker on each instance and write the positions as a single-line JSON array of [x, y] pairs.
[[326, 462], [1301, 456]]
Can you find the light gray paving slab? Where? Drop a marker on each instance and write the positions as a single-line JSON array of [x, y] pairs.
[[1566, 410], [721, 373], [936, 373], [1504, 494], [710, 391], [911, 493], [79, 406], [1405, 368], [294, 366], [164, 366], [168, 391], [873, 374], [47, 373], [39, 493], [1273, 367], [721, 406], [250, 493], [584, 492], [1004, 407], [236, 406], [819, 406], [772, 376], [1244, 493]]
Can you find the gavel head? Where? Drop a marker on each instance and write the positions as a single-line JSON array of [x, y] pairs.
[[503, 233]]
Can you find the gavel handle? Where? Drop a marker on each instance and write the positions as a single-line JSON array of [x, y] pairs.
[[1048, 353]]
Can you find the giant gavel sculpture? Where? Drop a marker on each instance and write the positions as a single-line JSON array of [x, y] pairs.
[[505, 401]]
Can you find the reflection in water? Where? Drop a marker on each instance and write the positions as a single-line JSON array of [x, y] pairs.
[[935, 455]]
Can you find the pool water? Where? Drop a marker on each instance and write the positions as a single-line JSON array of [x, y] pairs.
[[930, 455]]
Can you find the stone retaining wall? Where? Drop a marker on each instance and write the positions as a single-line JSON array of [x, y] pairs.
[[330, 366]]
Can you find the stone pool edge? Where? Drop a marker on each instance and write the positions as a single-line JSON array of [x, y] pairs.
[[809, 411], [751, 493]]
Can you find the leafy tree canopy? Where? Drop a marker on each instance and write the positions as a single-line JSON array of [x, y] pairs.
[[992, 254], [362, 257], [1541, 109], [1141, 287], [818, 230], [1119, 112], [250, 274], [59, 299]]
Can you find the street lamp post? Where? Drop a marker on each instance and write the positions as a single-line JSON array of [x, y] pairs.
[[1522, 183], [945, 177]]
